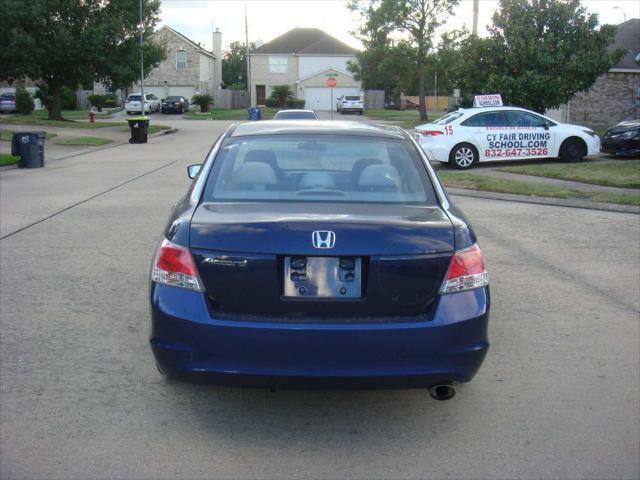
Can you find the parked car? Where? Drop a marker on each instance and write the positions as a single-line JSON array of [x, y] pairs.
[[133, 103], [623, 139], [339, 102], [295, 115], [175, 104], [351, 103], [7, 102], [468, 136], [410, 104], [319, 253]]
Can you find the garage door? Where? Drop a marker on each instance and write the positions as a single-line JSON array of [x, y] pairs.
[[162, 91], [158, 90], [319, 98], [178, 90]]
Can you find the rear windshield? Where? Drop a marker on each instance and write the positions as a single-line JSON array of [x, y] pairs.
[[351, 98], [295, 116], [133, 98], [448, 118], [319, 168], [172, 99]]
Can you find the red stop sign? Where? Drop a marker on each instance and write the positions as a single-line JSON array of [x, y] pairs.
[[332, 82]]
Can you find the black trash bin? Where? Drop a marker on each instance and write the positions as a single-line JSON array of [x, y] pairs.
[[139, 127], [30, 147]]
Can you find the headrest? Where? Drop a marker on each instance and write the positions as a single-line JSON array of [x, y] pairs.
[[380, 176], [265, 156], [255, 173]]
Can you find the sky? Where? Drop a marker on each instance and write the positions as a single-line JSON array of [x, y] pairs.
[[269, 18]]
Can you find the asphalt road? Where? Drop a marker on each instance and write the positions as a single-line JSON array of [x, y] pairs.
[[80, 397]]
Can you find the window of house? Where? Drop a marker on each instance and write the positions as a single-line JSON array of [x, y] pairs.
[[278, 64], [181, 60]]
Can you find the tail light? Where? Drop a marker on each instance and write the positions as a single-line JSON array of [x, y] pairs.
[[174, 265], [430, 133], [466, 271]]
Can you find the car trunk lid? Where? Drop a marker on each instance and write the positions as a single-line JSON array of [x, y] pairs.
[[246, 252]]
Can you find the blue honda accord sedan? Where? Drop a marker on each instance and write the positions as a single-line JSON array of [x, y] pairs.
[[324, 254]]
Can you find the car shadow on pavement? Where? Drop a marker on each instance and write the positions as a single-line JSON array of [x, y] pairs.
[[321, 420]]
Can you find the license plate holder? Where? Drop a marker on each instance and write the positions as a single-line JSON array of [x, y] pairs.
[[322, 277]]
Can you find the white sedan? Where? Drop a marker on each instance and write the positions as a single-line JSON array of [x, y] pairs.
[[467, 136]]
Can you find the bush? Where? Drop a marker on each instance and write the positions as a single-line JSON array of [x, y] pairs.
[[24, 102], [295, 103], [67, 99], [281, 93], [98, 101], [111, 101], [203, 101], [272, 102]]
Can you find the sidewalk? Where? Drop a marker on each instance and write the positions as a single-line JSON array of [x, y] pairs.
[[587, 187], [119, 135]]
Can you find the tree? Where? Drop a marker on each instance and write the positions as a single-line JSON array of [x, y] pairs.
[[538, 55], [418, 19], [71, 42], [234, 65]]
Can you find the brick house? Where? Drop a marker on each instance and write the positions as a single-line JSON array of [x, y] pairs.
[[303, 58], [188, 68], [615, 96]]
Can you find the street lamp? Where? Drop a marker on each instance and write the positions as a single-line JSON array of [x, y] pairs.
[[142, 99], [624, 14]]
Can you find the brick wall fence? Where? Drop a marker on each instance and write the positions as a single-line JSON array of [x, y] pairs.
[[610, 100]]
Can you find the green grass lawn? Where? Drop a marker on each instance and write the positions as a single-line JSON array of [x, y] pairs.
[[5, 135], [71, 114], [152, 129], [7, 159], [241, 114], [490, 184], [84, 141], [406, 119], [625, 174]]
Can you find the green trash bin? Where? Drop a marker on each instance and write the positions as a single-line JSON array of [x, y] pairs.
[[139, 127]]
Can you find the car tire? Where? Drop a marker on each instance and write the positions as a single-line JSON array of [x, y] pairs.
[[572, 150], [463, 156]]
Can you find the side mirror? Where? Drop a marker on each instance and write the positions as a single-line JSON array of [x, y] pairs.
[[193, 170]]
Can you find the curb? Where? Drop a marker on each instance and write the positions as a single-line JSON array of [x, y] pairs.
[[554, 202]]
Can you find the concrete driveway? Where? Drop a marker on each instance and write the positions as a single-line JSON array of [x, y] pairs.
[[80, 397]]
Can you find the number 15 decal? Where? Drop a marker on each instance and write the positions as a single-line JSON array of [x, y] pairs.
[[448, 130]]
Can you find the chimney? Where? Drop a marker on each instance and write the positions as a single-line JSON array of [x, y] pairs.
[[217, 63]]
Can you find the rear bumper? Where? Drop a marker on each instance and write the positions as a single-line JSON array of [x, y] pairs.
[[188, 342]]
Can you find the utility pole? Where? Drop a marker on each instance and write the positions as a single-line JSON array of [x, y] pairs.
[[475, 16], [246, 40], [142, 99]]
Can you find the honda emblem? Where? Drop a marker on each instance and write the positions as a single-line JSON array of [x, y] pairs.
[[323, 239]]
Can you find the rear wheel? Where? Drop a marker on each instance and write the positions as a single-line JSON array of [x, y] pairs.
[[463, 156], [572, 150]]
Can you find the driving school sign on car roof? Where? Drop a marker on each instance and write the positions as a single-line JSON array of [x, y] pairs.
[[493, 100]]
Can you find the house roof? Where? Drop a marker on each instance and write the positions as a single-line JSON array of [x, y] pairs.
[[628, 37], [309, 41], [197, 46]]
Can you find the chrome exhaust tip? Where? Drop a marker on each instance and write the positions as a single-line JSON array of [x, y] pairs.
[[442, 392]]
